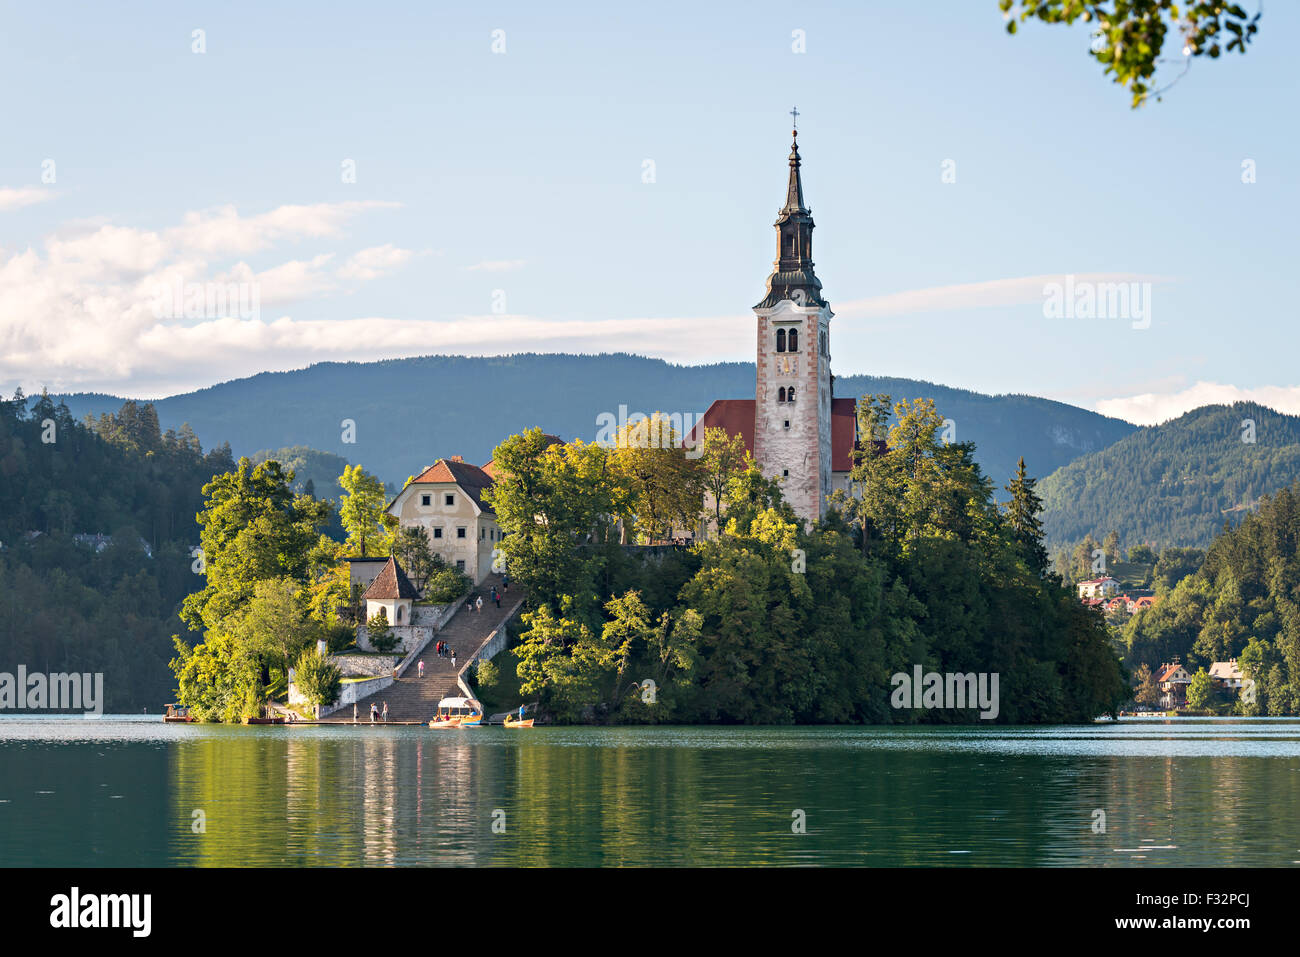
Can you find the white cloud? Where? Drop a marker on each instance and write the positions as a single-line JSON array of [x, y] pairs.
[[1024, 290], [1152, 408], [88, 308], [223, 231], [375, 262], [17, 198], [84, 315], [497, 265]]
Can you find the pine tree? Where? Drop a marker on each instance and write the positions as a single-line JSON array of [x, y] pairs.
[[1022, 519]]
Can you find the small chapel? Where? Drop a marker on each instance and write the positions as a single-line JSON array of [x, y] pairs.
[[794, 427]]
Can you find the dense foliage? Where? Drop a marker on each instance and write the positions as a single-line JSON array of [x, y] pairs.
[[1243, 602], [770, 623], [87, 604], [1173, 484], [1130, 35], [314, 471]]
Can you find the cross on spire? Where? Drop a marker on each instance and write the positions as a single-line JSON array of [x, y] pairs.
[[794, 115]]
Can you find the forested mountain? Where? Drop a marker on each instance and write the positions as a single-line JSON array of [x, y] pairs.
[[1244, 603], [313, 471], [1176, 483], [408, 412], [88, 604]]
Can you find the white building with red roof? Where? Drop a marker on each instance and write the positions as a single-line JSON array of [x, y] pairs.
[[1098, 588], [447, 500]]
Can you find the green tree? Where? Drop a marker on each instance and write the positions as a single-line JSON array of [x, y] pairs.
[[871, 504], [1110, 545], [1129, 35], [662, 488], [412, 550], [274, 625], [1022, 521], [549, 500], [380, 632], [254, 528], [361, 509], [722, 458], [1200, 691], [316, 679], [1142, 555], [1148, 692]]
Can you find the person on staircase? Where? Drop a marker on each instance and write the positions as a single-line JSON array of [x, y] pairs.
[[478, 603]]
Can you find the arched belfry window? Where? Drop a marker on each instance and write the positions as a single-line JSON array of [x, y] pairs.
[[780, 394], [789, 396], [780, 340], [793, 341]]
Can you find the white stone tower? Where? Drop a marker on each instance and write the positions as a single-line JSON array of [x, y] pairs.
[[792, 407]]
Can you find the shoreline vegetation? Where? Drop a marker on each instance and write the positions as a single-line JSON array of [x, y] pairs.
[[762, 621]]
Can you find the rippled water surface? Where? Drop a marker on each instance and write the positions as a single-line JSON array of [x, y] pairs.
[[125, 791]]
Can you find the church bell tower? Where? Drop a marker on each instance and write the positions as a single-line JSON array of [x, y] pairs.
[[792, 407]]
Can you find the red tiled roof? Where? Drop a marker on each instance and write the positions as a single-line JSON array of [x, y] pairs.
[[1167, 671], [391, 583], [737, 417], [472, 479]]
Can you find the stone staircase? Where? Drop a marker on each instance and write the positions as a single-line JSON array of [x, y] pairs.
[[412, 698]]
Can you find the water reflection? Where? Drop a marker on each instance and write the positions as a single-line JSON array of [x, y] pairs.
[[117, 792]]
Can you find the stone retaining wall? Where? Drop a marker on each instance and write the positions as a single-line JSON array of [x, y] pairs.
[[354, 665]]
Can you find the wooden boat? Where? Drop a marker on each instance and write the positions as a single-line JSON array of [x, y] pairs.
[[278, 719], [525, 723], [177, 712], [445, 721]]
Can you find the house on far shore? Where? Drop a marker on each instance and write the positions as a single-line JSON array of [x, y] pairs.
[[1227, 674], [1173, 680], [1122, 602], [1098, 588]]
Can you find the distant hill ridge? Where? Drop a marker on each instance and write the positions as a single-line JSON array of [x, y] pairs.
[[1175, 483], [408, 412]]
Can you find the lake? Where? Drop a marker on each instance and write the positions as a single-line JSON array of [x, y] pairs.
[[133, 791]]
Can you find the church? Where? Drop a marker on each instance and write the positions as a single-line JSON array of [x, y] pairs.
[[794, 427]]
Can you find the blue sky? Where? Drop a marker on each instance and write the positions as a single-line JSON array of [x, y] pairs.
[[499, 202]]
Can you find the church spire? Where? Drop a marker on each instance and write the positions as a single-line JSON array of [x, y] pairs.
[[793, 277], [794, 192]]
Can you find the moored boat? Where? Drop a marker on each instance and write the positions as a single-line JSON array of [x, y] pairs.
[[457, 713], [176, 712], [524, 723]]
